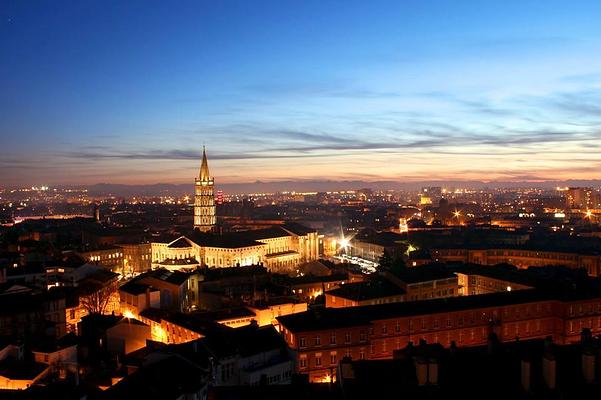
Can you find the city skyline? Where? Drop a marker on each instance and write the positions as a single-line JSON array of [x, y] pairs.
[[407, 92]]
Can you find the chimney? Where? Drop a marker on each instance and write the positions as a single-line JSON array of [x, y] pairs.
[[492, 343], [588, 355], [421, 371], [404, 353], [585, 336], [433, 372], [453, 348], [588, 366], [525, 374], [346, 370], [549, 364]]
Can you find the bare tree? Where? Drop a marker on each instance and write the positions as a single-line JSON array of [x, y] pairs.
[[95, 298]]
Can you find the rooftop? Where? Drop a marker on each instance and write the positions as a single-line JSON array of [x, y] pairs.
[[21, 370], [423, 273], [169, 378], [180, 243], [329, 318], [310, 279], [245, 341], [195, 322], [468, 372], [248, 238], [135, 288], [374, 288], [174, 277]]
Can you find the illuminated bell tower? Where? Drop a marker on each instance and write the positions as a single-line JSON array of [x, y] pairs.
[[204, 200]]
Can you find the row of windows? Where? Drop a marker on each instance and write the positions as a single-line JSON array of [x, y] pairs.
[[472, 336], [469, 318], [467, 336], [106, 256], [513, 253], [238, 321], [434, 294], [529, 254], [302, 342], [582, 309], [275, 378], [318, 359], [577, 326], [227, 370]]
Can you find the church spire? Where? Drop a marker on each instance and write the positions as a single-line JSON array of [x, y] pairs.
[[204, 199], [204, 166]]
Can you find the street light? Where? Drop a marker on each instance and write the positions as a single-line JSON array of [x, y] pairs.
[[345, 243]]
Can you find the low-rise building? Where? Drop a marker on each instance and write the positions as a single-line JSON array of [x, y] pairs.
[[321, 337], [249, 355], [167, 377], [173, 327], [115, 334], [537, 368], [523, 257], [137, 257], [178, 290], [281, 248], [308, 287], [110, 257], [426, 282], [136, 297], [376, 290], [266, 312], [473, 279]]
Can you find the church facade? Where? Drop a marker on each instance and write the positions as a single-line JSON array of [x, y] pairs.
[[280, 248]]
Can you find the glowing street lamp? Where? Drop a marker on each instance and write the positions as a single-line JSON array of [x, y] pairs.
[[403, 227], [345, 243], [588, 213]]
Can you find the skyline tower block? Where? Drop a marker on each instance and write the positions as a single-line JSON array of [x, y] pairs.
[[204, 199]]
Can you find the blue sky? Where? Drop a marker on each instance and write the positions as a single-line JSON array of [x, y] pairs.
[[128, 91]]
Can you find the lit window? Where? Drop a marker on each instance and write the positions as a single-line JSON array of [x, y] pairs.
[[318, 360]]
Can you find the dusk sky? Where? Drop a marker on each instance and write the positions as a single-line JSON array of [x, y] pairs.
[[128, 91]]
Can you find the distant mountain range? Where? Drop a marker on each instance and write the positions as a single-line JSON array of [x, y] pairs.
[[103, 189]]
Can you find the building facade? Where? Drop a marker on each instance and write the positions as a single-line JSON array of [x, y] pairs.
[[280, 248], [521, 258], [321, 339]]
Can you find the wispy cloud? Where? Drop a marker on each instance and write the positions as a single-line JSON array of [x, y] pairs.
[[333, 89]]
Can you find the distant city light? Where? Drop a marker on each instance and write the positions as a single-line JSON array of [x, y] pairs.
[[403, 227]]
